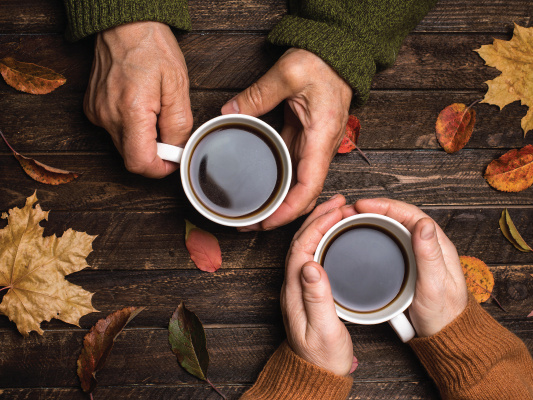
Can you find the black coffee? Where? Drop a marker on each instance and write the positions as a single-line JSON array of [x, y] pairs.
[[366, 266], [235, 171]]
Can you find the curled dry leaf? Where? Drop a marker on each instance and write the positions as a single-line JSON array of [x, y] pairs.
[[97, 345], [510, 232], [186, 336], [351, 137], [33, 269], [513, 58], [30, 78], [454, 126], [479, 279], [42, 172], [513, 171], [203, 248]]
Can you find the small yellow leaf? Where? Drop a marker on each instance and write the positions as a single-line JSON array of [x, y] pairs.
[[479, 279], [511, 233]]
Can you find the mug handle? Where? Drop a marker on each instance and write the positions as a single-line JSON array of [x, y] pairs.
[[402, 327], [169, 153]]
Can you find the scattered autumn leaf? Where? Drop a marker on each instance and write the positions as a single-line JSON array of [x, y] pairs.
[[513, 171], [355, 364], [455, 125], [33, 269], [188, 343], [42, 172], [510, 232], [97, 345], [479, 279], [515, 61], [351, 137], [203, 248], [30, 78]]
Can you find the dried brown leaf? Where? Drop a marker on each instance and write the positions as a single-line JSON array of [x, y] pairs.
[[513, 171], [203, 248], [30, 78], [454, 126], [479, 279]]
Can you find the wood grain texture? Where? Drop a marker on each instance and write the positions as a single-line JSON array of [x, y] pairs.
[[48, 16], [234, 61], [390, 120]]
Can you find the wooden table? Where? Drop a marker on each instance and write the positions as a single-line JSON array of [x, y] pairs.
[[139, 257]]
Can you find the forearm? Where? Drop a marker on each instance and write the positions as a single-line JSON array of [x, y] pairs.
[[356, 38], [476, 358], [87, 17]]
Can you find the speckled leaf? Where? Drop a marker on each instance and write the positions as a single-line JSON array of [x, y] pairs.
[[510, 232], [188, 343], [42, 172], [203, 248], [513, 171], [454, 126], [351, 136], [30, 78], [479, 279], [97, 345]]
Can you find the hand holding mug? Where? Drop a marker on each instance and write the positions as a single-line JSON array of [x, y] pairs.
[[316, 113], [314, 331], [139, 80]]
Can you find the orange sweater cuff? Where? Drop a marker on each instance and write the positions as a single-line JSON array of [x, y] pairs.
[[286, 376], [475, 357]]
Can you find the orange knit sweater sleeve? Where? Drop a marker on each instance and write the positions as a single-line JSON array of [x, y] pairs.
[[476, 358]]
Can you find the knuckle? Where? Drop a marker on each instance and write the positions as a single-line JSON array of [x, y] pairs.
[[254, 94]]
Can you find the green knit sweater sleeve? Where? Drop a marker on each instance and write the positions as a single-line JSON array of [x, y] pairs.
[[355, 37], [87, 17]]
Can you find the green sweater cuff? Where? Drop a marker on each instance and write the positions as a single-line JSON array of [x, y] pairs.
[[289, 377], [87, 17], [351, 59]]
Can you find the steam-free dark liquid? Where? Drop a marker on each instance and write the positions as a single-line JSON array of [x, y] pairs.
[[366, 266], [235, 171]]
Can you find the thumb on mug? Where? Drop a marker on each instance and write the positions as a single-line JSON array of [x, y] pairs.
[[428, 253], [317, 297]]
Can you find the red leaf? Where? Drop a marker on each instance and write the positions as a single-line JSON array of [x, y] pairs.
[[30, 78], [42, 172], [97, 345], [455, 125], [355, 364], [203, 248], [513, 171], [349, 141]]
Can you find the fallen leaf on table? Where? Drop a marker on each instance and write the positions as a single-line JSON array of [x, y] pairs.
[[42, 172], [188, 343], [33, 269], [454, 126], [511, 233], [513, 171], [355, 364], [30, 78], [351, 137], [514, 58], [479, 279], [97, 345], [203, 248]]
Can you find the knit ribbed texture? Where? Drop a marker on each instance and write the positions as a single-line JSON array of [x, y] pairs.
[[356, 38], [288, 377], [86, 17], [476, 358]]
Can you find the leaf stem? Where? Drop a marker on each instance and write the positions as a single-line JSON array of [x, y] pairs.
[[91, 396], [472, 105], [363, 155], [215, 389], [491, 295], [8, 145], [5, 287]]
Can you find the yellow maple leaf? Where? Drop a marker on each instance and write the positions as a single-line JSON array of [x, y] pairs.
[[33, 269], [514, 58]]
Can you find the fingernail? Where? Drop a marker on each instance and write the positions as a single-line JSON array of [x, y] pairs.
[[427, 232], [310, 274], [231, 107], [335, 196]]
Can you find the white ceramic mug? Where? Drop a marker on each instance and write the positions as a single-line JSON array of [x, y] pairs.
[[183, 156], [394, 311]]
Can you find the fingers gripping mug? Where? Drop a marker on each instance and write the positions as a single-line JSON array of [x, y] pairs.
[[371, 267], [235, 169]]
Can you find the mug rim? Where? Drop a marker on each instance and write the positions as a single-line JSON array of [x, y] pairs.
[[400, 303], [255, 123]]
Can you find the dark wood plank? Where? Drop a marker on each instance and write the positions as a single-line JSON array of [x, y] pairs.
[[48, 16], [424, 178], [237, 355], [390, 120], [234, 61], [156, 240], [408, 390], [239, 296]]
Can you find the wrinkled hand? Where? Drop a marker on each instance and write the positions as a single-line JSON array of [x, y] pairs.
[[440, 292], [316, 113], [139, 80], [314, 331]]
